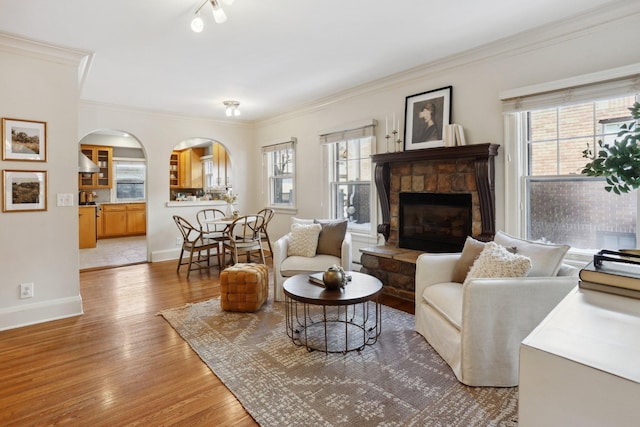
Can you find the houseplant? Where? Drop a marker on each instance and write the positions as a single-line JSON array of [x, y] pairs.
[[618, 162]]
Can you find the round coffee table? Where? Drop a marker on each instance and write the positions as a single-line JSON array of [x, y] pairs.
[[333, 321]]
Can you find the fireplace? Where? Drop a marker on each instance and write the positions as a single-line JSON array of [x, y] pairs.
[[434, 222], [456, 181]]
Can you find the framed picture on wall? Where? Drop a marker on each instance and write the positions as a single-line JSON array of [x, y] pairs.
[[426, 114], [24, 191], [24, 140]]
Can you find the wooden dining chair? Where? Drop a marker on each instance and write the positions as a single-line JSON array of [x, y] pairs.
[[211, 231], [195, 242], [243, 238], [268, 214]]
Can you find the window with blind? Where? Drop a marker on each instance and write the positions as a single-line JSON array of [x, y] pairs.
[[279, 169], [348, 156], [547, 134]]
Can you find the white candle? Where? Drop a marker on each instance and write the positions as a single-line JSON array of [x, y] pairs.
[[386, 125], [393, 122]]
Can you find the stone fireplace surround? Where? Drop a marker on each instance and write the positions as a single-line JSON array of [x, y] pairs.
[[461, 169]]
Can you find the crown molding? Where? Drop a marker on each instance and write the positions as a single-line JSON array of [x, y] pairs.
[[48, 52], [119, 108], [557, 32]]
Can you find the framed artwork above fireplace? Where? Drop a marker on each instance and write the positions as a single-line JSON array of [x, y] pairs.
[[426, 114]]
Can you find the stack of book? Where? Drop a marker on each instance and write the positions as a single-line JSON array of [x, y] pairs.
[[453, 135], [612, 272]]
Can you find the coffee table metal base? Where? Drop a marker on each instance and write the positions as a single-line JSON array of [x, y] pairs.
[[331, 328]]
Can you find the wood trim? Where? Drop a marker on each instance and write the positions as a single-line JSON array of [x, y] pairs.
[[484, 163]]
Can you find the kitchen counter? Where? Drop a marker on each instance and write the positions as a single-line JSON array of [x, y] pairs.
[[174, 203]]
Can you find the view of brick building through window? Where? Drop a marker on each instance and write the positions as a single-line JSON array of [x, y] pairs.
[[564, 206]]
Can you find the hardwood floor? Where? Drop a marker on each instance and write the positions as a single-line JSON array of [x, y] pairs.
[[119, 363]]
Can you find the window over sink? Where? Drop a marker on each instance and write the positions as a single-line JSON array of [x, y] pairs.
[[129, 180]]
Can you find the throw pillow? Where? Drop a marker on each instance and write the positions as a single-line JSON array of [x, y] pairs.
[[470, 253], [546, 259], [331, 236], [496, 261], [304, 240]]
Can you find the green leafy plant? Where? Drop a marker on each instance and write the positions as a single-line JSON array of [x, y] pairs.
[[618, 162]]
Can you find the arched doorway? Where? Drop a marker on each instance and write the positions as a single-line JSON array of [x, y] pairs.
[[117, 193]]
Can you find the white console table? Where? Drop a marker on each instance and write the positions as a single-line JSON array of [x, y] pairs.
[[581, 365]]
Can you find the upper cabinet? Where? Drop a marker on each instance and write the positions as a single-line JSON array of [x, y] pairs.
[[103, 157], [174, 174], [185, 168]]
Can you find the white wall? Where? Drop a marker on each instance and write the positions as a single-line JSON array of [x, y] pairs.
[[41, 83], [577, 47]]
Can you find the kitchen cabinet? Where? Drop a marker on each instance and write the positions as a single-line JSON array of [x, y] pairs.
[[190, 168], [123, 219], [103, 157], [87, 226], [174, 166], [136, 219]]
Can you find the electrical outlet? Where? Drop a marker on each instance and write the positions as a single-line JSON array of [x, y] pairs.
[[26, 290], [178, 241]]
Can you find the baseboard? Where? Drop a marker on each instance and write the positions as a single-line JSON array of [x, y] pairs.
[[165, 255], [40, 312]]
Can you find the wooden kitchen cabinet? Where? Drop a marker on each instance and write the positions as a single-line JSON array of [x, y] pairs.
[[174, 170], [123, 219], [190, 168], [103, 157], [87, 226], [136, 219]]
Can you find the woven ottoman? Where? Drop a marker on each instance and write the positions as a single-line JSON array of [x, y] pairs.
[[244, 287]]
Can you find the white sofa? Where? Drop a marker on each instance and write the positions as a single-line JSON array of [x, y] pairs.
[[286, 266], [477, 327]]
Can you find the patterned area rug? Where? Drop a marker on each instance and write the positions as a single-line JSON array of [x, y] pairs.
[[399, 381]]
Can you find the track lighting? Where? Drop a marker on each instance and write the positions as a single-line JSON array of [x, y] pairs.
[[197, 24]]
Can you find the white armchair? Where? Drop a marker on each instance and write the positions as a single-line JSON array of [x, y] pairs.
[[286, 266], [477, 327]]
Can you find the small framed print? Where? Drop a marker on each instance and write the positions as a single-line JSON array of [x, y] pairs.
[[24, 140], [426, 114], [24, 191]]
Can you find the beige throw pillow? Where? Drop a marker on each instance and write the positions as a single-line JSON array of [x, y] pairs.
[[545, 258], [331, 237], [496, 261], [470, 253], [303, 240]]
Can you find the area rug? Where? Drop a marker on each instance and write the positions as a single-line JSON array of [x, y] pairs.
[[399, 381]]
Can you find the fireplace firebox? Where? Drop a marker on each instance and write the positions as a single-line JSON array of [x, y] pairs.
[[434, 222]]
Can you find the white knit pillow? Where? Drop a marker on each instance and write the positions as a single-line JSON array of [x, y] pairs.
[[303, 240], [496, 261]]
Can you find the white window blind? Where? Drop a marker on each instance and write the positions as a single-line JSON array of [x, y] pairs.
[[345, 135], [279, 173], [592, 87]]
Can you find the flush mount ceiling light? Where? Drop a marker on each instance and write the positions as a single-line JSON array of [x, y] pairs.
[[197, 24], [232, 108]]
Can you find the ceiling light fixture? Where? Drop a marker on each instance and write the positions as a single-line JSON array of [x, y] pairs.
[[232, 108], [197, 24]]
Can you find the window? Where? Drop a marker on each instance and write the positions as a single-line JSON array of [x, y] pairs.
[[279, 167], [130, 180], [348, 155], [216, 168], [560, 204]]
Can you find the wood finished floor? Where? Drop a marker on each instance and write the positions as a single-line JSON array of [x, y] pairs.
[[119, 363]]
